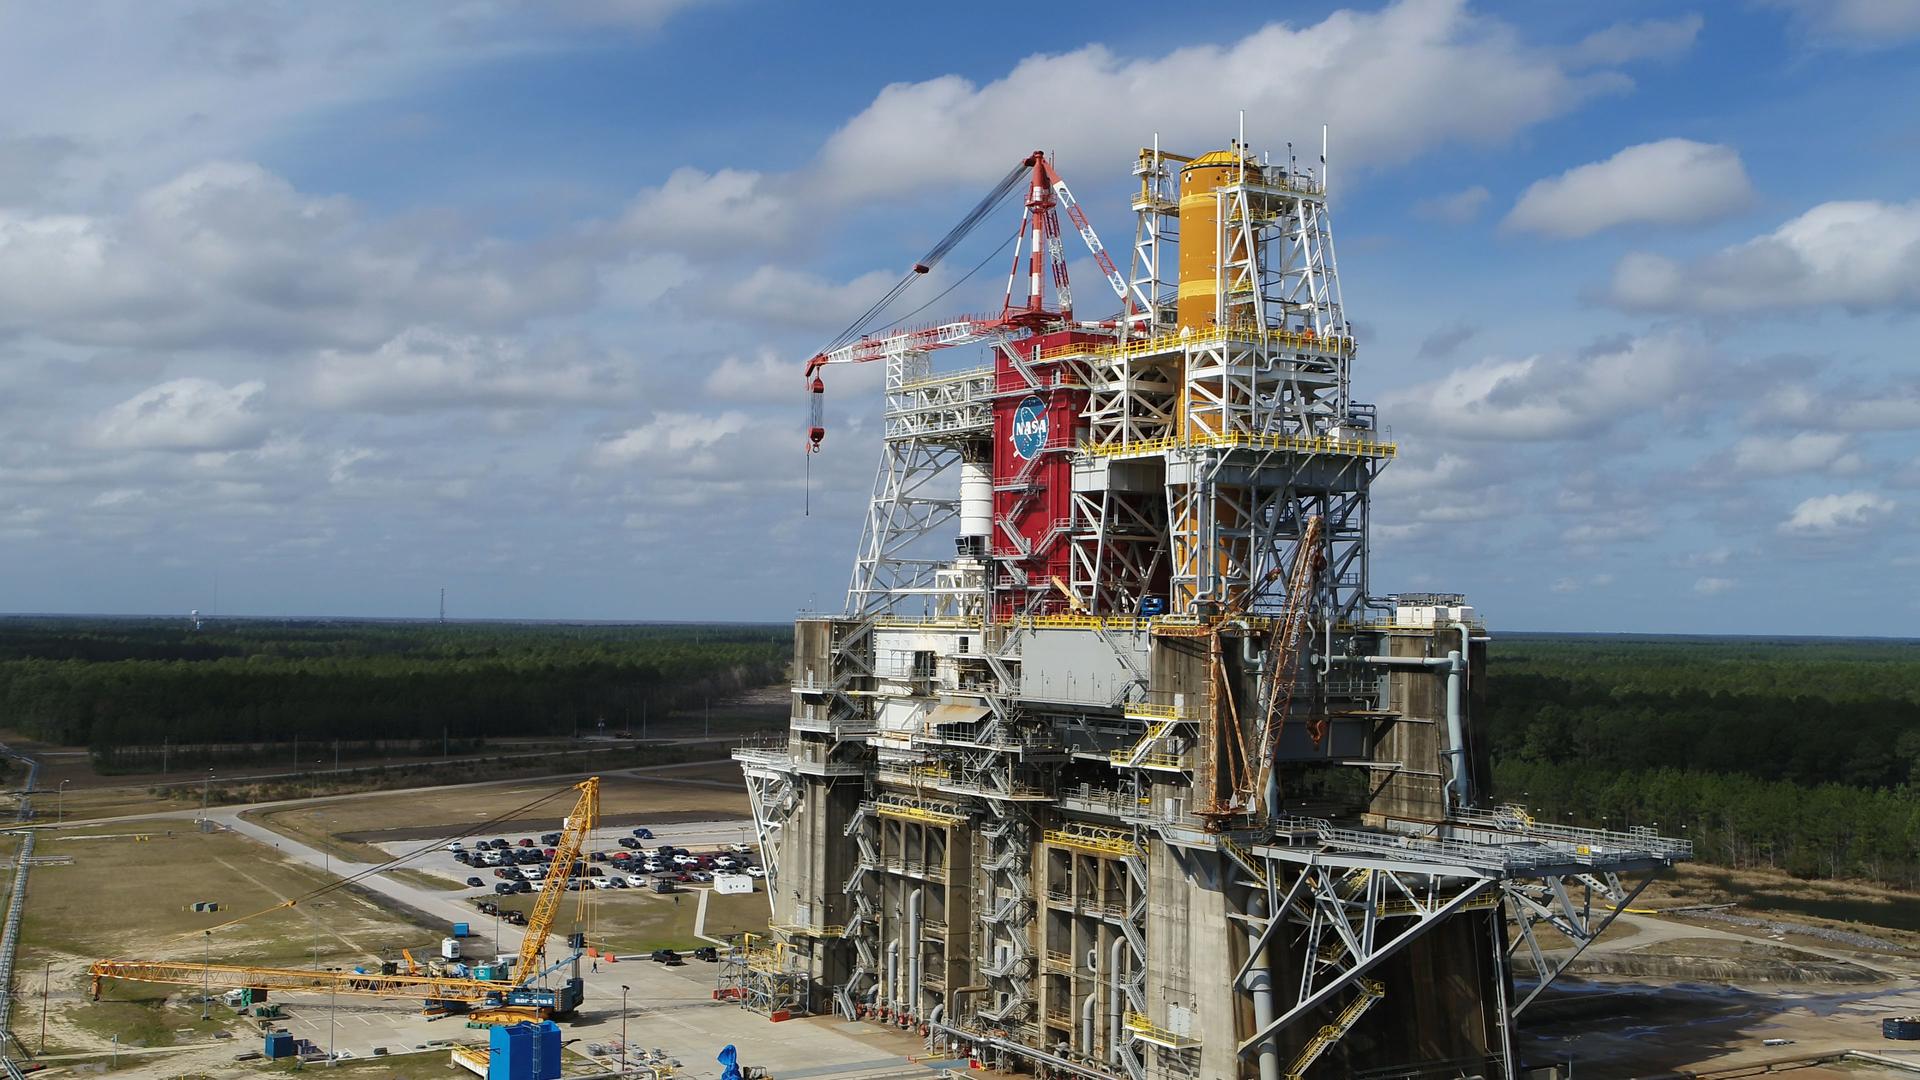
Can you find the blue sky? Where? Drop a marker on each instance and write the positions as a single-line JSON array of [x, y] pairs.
[[313, 309]]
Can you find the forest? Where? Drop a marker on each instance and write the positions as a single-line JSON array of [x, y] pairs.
[[128, 688], [1794, 754]]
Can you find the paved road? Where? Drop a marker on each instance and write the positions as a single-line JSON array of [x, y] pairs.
[[670, 1008]]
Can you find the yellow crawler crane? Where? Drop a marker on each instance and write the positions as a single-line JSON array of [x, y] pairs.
[[518, 998]]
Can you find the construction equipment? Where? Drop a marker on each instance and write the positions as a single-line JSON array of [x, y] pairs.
[[1046, 258], [523, 997]]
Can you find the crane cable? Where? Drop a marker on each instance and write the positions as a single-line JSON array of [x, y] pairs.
[[342, 883], [932, 258]]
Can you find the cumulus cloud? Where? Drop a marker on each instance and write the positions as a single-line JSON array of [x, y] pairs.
[[1855, 255], [1670, 182], [1836, 515], [183, 414], [1806, 451], [424, 369], [1546, 397], [1649, 39], [230, 254], [1856, 23], [707, 212], [1892, 407], [1455, 209], [1713, 586], [670, 439]]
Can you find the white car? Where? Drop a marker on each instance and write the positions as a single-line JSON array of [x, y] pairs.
[[685, 860], [739, 849], [638, 882], [755, 871], [456, 846]]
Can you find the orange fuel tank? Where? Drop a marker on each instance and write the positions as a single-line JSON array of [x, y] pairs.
[[1198, 306]]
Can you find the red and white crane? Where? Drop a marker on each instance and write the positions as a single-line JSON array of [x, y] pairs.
[[1039, 235]]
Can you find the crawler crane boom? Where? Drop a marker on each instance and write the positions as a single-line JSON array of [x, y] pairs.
[[518, 998]]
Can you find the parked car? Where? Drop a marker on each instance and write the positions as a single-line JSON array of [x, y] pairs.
[[653, 866], [707, 953], [597, 856], [614, 883], [550, 839], [665, 956], [644, 834], [456, 846], [504, 887], [475, 883], [594, 871], [522, 886], [487, 907], [726, 862], [463, 857], [515, 918], [754, 871], [637, 881], [573, 884], [629, 842], [701, 875], [683, 860], [739, 849]]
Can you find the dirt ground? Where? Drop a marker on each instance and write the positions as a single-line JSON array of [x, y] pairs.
[[350, 827], [129, 893]]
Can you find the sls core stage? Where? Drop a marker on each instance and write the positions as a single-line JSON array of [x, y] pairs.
[[1115, 765]]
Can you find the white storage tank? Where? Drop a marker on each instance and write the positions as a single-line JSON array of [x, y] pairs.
[[976, 498]]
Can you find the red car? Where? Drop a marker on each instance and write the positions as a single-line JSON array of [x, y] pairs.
[[526, 841]]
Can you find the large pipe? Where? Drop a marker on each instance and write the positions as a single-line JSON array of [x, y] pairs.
[[1260, 985], [1114, 991], [913, 954], [1086, 1015], [893, 974], [1456, 668]]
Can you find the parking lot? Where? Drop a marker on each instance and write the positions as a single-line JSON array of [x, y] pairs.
[[708, 846]]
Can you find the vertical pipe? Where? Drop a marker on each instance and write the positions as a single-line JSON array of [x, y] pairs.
[[1114, 997], [893, 974], [1457, 730], [1086, 1015], [1260, 985], [912, 1007]]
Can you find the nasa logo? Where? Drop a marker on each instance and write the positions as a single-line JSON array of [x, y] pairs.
[[1030, 427]]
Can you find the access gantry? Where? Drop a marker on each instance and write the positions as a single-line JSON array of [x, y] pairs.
[[1114, 765]]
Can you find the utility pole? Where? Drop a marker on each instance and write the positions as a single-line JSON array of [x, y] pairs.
[[206, 786], [206, 958], [46, 981], [333, 1009], [623, 1030]]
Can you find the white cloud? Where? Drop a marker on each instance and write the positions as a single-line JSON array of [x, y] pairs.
[[1892, 407], [1806, 451], [1670, 182], [1455, 209], [183, 414], [1650, 39], [1855, 255], [768, 376], [1542, 398], [428, 369], [1837, 514], [711, 212], [230, 254], [669, 440], [1859, 23], [1713, 586], [1392, 84]]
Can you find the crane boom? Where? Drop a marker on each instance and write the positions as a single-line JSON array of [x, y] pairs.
[[579, 825], [411, 981], [345, 982]]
